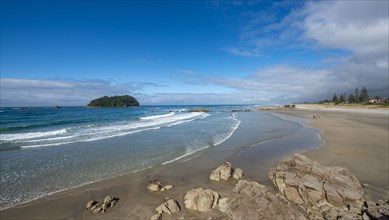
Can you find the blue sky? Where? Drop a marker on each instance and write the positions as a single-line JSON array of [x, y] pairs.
[[193, 52]]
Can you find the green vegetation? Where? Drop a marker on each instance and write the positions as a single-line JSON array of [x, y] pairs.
[[124, 101], [362, 98]]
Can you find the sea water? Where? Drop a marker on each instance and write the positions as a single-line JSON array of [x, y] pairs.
[[46, 150]]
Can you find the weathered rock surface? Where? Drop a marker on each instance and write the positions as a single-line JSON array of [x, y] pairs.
[[325, 192], [250, 200], [223, 204], [379, 210], [201, 199], [101, 207], [170, 206], [156, 217], [306, 182], [238, 174], [223, 172]]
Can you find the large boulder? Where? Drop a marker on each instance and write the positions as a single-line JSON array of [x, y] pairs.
[[223, 172], [250, 200], [308, 183], [201, 199]]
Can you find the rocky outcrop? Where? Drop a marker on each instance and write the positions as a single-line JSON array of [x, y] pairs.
[[250, 200], [306, 182], [96, 207], [325, 192], [156, 185], [202, 200]]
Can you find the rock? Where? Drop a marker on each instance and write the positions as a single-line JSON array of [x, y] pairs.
[[238, 174], [306, 182], [365, 217], [377, 210], [90, 204], [198, 110], [97, 207], [250, 200], [167, 187], [170, 206], [223, 204], [108, 199], [223, 172], [156, 217], [201, 199], [154, 186]]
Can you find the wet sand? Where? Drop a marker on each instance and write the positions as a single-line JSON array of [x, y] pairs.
[[347, 137]]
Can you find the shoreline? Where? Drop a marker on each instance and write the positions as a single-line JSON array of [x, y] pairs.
[[137, 202]]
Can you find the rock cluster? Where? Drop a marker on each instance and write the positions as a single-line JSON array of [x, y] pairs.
[[324, 192], [250, 200], [204, 200], [101, 207], [156, 186], [225, 171], [304, 181], [308, 191]]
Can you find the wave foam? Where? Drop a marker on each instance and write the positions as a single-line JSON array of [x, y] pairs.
[[31, 135], [99, 131]]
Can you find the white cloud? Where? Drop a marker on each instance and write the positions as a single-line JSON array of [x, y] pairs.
[[361, 27], [243, 52], [28, 92]]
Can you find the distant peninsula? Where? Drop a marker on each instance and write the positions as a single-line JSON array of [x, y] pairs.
[[124, 101]]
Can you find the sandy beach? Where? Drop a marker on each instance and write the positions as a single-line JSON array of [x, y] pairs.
[[355, 140]]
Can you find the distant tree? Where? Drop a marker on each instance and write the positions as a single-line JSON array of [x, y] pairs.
[[341, 99], [364, 96], [356, 95], [335, 99], [351, 98]]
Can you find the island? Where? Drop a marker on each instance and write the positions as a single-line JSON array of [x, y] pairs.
[[124, 101]]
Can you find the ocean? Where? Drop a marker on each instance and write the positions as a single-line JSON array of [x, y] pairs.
[[45, 150]]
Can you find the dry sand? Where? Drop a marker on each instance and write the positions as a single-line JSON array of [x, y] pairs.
[[357, 140]]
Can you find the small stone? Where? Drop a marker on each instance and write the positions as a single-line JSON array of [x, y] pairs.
[[90, 204], [96, 210], [238, 174], [108, 199], [154, 187], [167, 187]]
